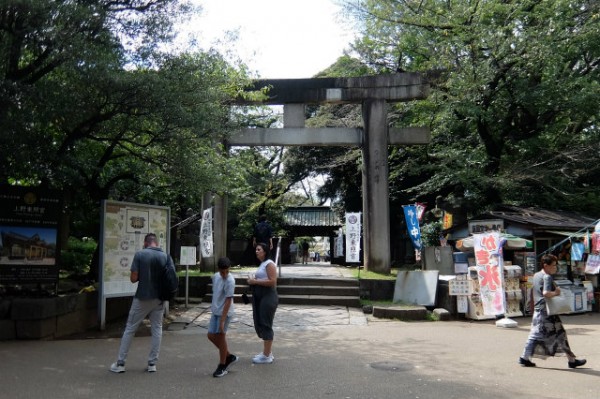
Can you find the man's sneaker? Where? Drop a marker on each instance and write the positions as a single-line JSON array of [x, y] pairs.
[[117, 367], [577, 363], [526, 362], [262, 359], [220, 371], [151, 368], [230, 360]]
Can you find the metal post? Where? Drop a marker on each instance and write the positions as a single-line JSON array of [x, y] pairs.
[[187, 285], [277, 253]]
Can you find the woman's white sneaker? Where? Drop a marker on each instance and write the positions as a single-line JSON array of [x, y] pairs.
[[262, 359]]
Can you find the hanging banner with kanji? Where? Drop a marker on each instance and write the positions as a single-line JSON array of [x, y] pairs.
[[338, 247], [353, 237], [488, 259], [206, 234], [412, 225]]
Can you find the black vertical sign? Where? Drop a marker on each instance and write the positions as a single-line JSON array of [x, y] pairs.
[[29, 220]]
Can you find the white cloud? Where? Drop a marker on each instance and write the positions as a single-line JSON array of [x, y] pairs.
[[277, 38]]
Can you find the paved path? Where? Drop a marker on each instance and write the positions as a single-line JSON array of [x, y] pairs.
[[320, 352], [288, 317], [384, 360], [316, 269]]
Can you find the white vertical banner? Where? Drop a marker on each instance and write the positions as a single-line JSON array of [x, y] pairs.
[[353, 237], [488, 259], [339, 244], [206, 234]]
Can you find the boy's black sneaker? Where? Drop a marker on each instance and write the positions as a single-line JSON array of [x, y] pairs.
[[220, 371], [231, 358]]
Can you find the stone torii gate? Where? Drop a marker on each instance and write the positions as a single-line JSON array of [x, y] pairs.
[[373, 92]]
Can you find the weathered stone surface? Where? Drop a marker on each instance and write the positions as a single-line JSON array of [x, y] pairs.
[[5, 308], [389, 87], [76, 322], [7, 330], [33, 308], [36, 329], [377, 290], [442, 314], [400, 312]]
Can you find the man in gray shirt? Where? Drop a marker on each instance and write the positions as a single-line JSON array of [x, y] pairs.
[[146, 270]]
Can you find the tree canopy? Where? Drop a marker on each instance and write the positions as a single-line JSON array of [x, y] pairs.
[[513, 110], [92, 104]]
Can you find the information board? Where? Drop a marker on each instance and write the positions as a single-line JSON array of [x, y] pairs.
[[29, 224], [124, 226]]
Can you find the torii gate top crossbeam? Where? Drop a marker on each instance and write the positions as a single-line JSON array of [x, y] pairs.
[[391, 87]]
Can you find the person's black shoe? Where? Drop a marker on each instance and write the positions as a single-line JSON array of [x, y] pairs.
[[231, 358], [220, 371], [528, 363], [577, 363]]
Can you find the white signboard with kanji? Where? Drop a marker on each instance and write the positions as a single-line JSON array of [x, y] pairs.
[[353, 231]]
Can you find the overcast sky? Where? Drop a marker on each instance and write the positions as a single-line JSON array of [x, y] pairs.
[[276, 38]]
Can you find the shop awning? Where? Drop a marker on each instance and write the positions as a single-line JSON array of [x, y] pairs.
[[567, 233], [510, 242]]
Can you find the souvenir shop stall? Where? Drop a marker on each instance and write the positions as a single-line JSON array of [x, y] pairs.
[[486, 286], [579, 267]]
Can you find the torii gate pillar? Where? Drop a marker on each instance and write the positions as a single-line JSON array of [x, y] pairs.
[[375, 190]]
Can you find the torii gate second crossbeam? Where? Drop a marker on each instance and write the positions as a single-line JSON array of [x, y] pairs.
[[373, 92]]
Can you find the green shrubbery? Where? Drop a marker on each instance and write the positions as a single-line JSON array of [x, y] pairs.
[[430, 234], [76, 260]]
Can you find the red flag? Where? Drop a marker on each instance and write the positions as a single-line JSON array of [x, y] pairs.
[[420, 210]]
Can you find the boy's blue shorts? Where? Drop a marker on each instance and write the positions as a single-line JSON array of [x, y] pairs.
[[213, 326]]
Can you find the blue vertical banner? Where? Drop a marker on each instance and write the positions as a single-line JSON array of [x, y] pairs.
[[412, 225]]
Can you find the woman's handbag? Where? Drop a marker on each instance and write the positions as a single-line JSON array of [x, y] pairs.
[[245, 298], [559, 304]]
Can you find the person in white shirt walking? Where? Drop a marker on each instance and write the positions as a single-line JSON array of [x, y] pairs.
[[223, 288]]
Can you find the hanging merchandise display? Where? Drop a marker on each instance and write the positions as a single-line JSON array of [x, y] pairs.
[[494, 269], [596, 239]]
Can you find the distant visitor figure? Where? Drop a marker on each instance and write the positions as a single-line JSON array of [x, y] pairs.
[[305, 247], [263, 232]]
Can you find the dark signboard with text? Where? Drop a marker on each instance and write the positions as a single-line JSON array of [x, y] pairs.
[[29, 219]]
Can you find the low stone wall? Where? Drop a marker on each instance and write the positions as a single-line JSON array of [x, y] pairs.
[[61, 316], [198, 286], [377, 290], [46, 318]]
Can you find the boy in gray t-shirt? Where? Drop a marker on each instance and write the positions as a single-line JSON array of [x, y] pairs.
[[223, 288]]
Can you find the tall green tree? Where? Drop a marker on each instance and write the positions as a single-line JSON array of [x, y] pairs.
[[87, 111], [513, 111], [91, 105]]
